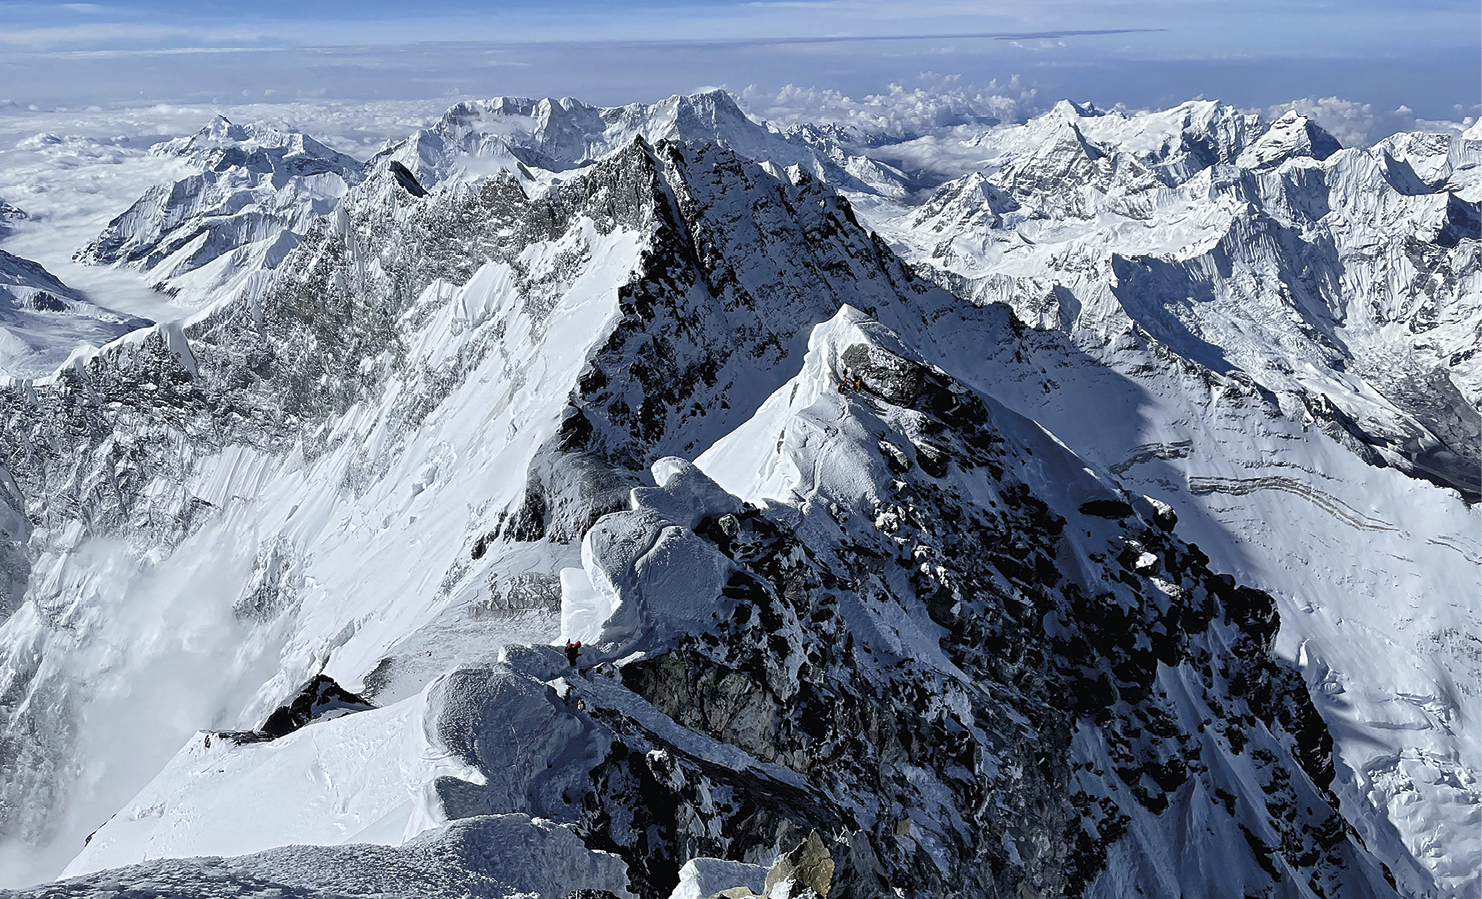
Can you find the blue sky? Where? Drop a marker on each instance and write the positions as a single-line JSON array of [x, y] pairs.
[[1214, 27], [1423, 54]]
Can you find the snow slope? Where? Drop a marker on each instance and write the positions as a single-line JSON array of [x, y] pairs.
[[42, 320], [495, 857]]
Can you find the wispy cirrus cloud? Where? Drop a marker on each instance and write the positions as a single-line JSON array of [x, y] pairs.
[[94, 33]]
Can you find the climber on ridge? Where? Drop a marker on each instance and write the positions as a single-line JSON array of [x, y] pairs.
[[572, 651]]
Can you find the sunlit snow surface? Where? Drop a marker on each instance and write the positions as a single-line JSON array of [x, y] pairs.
[[124, 651], [494, 857]]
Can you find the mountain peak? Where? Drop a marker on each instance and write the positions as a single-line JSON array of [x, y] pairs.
[[222, 142], [717, 101], [9, 214], [1292, 136], [256, 190], [219, 125], [1069, 109]]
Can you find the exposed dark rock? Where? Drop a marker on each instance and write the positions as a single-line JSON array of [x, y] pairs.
[[406, 179], [1106, 508], [895, 457], [853, 713], [933, 460], [319, 698], [808, 865]]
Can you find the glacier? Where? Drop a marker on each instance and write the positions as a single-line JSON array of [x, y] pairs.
[[1074, 506]]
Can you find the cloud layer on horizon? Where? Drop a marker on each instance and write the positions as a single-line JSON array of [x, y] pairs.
[[1147, 54]]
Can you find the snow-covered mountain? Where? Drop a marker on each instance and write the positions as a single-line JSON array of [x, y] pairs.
[[42, 320], [870, 595], [1341, 282], [511, 134], [9, 214], [914, 604], [210, 234], [1339, 292]]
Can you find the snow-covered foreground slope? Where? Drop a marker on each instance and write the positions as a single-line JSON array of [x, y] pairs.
[[897, 595], [493, 857]]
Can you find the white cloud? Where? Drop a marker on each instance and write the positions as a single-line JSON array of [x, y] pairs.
[[107, 32], [163, 51], [931, 103], [1358, 124], [889, 9]]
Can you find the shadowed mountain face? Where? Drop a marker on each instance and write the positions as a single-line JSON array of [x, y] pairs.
[[8, 215], [845, 551]]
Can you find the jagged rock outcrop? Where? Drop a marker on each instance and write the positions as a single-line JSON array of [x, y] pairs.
[[319, 699], [808, 867]]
